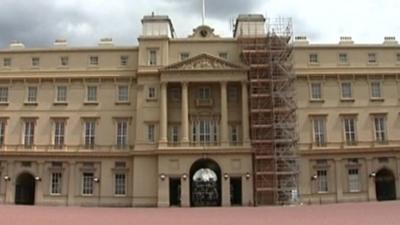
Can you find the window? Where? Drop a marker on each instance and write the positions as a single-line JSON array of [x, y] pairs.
[[61, 95], [152, 57], [90, 128], [316, 91], [313, 58], [122, 133], [2, 131], [151, 93], [322, 181], [398, 57], [56, 183], [354, 181], [205, 131], [29, 133], [372, 58], [87, 184], [175, 94], [120, 184], [234, 134], [233, 95], [124, 60], [7, 62], [319, 126], [94, 60], [64, 60], [3, 94], [151, 133], [204, 93], [343, 59], [59, 133], [174, 137], [380, 128], [91, 95], [123, 93], [35, 61], [32, 94], [347, 92], [349, 124], [223, 55], [184, 56], [376, 89]]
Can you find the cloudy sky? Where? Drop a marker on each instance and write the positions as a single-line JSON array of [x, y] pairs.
[[38, 23]]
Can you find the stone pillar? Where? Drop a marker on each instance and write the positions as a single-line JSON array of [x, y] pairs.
[[10, 185], [224, 115], [71, 183], [226, 191], [185, 115], [185, 192], [339, 183], [371, 180], [39, 183], [163, 192], [245, 114], [163, 115]]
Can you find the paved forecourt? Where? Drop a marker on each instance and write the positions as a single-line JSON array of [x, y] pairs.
[[368, 213]]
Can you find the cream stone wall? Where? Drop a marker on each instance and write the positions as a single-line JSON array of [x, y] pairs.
[[371, 155]]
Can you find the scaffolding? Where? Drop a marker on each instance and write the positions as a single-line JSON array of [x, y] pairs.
[[272, 110]]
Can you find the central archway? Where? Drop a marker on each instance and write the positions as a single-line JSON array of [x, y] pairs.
[[25, 189], [385, 185], [205, 183]]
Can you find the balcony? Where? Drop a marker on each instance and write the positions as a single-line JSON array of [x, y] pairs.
[[204, 102]]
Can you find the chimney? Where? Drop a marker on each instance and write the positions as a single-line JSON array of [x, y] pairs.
[[61, 43], [17, 45], [390, 40], [346, 40], [301, 40], [106, 42]]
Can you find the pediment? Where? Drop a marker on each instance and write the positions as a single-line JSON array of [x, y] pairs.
[[203, 62]]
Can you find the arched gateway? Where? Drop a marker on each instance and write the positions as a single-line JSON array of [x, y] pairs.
[[205, 183], [385, 185], [25, 189]]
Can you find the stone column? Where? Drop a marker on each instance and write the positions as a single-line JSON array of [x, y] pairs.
[[224, 115], [10, 185], [185, 192], [163, 115], [71, 183], [185, 115], [371, 180], [39, 184], [245, 114], [226, 191], [339, 184], [163, 192]]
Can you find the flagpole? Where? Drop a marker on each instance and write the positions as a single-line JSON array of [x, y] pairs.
[[204, 11]]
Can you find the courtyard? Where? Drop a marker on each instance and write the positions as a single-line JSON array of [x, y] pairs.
[[367, 213]]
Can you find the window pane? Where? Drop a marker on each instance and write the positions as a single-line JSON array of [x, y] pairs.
[[316, 91], [123, 93], [92, 93], [61, 94], [87, 185], [3, 94], [346, 90], [376, 89]]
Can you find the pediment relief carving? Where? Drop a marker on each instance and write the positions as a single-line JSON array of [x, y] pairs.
[[204, 62]]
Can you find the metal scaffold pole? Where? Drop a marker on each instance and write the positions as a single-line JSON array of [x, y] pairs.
[[272, 110]]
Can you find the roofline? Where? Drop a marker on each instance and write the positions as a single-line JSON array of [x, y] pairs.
[[69, 49]]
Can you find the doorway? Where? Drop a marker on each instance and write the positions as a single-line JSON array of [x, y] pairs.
[[385, 185], [236, 191], [174, 192], [205, 183], [25, 189]]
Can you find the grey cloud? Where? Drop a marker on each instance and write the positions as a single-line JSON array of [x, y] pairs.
[[35, 23]]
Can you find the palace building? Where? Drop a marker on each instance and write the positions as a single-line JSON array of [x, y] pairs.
[[259, 118]]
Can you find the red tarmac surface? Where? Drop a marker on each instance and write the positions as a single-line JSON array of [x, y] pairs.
[[374, 213]]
